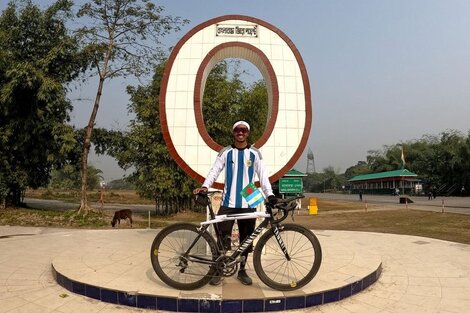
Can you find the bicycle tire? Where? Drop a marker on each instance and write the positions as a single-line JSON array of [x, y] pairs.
[[167, 248], [275, 270]]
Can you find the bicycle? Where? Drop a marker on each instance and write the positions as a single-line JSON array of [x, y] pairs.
[[286, 257]]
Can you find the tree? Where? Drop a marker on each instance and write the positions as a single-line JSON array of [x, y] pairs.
[[122, 184], [332, 179], [68, 177], [452, 161], [328, 180], [360, 168], [442, 161], [122, 37], [228, 99], [38, 57], [156, 175], [254, 108]]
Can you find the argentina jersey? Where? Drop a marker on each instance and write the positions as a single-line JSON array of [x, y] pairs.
[[239, 172], [241, 166]]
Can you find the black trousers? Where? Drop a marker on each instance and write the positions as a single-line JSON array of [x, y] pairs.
[[245, 228]]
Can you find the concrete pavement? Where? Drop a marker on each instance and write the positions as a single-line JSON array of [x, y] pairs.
[[418, 274]]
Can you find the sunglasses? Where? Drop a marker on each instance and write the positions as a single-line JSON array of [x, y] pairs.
[[242, 130]]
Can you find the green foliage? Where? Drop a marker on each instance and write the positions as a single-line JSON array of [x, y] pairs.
[[442, 162], [156, 174], [123, 37], [227, 100], [120, 38], [122, 184], [68, 177], [37, 58], [327, 181], [360, 168]]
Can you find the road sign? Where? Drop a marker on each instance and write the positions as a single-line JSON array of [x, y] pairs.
[[290, 185]]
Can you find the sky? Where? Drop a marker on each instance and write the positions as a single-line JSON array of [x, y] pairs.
[[381, 72]]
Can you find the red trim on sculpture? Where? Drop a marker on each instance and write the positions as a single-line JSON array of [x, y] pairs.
[[306, 83], [198, 96]]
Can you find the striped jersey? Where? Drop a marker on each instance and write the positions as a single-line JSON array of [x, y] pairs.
[[240, 166]]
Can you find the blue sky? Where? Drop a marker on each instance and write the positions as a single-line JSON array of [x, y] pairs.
[[381, 72]]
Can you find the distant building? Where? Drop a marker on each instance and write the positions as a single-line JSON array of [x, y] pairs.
[[386, 182]]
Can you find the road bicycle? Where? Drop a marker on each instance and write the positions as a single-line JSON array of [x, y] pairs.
[[286, 257]]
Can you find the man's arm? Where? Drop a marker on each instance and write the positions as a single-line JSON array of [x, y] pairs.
[[262, 174], [215, 171]]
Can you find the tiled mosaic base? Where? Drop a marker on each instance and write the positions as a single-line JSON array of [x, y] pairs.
[[177, 304]]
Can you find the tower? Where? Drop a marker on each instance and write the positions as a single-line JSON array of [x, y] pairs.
[[310, 162]]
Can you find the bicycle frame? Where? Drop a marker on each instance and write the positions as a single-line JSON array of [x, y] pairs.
[[285, 256], [215, 219]]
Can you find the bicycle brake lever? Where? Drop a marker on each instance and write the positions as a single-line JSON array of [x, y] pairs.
[[292, 215]]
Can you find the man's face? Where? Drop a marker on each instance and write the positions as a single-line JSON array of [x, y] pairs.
[[240, 133]]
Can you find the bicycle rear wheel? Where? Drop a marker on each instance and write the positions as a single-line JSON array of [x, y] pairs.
[[176, 269], [275, 270]]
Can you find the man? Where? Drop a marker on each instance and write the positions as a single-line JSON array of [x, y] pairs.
[[240, 161]]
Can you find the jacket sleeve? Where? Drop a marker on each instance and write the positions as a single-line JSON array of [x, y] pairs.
[[214, 172], [262, 173]]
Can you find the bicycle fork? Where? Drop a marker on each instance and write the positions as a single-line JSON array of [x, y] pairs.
[[277, 235]]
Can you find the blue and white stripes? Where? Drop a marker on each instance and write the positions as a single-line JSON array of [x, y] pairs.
[[240, 165]]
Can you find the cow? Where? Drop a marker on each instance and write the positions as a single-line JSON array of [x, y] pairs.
[[121, 215]]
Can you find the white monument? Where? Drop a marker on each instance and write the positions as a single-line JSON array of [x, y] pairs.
[[184, 79]]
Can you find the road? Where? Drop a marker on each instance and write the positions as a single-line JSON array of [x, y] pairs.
[[449, 204], [62, 205]]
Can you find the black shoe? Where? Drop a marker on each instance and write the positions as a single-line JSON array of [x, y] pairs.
[[244, 278], [215, 281]]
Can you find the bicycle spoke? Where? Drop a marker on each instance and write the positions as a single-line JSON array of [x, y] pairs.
[[276, 270], [179, 243], [172, 261]]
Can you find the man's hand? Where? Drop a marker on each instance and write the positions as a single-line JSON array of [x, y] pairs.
[[198, 190], [272, 200]]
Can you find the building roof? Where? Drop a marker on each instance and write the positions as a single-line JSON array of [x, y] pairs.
[[294, 173], [389, 174]]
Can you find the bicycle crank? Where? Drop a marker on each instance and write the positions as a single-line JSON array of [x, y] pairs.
[[227, 266]]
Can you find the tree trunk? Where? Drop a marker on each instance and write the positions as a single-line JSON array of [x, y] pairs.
[[84, 208], [16, 195]]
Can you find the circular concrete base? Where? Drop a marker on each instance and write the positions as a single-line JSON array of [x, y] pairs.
[[114, 266]]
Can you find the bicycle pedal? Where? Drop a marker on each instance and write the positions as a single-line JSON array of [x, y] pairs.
[[215, 281]]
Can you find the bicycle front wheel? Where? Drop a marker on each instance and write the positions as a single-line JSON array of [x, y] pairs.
[[175, 267], [273, 267]]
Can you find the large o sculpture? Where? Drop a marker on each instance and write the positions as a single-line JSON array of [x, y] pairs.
[[184, 79]]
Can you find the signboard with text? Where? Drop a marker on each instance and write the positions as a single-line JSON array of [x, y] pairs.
[[290, 185]]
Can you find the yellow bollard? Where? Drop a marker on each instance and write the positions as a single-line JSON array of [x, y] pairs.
[[312, 207]]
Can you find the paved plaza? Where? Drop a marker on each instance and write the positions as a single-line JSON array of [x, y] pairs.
[[418, 274]]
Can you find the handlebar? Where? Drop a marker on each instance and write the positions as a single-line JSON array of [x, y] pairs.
[[203, 197], [207, 193], [284, 206]]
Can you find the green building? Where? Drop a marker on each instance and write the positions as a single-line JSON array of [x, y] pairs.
[[387, 183]]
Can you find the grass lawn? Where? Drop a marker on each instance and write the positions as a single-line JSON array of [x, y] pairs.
[[445, 226], [332, 214]]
